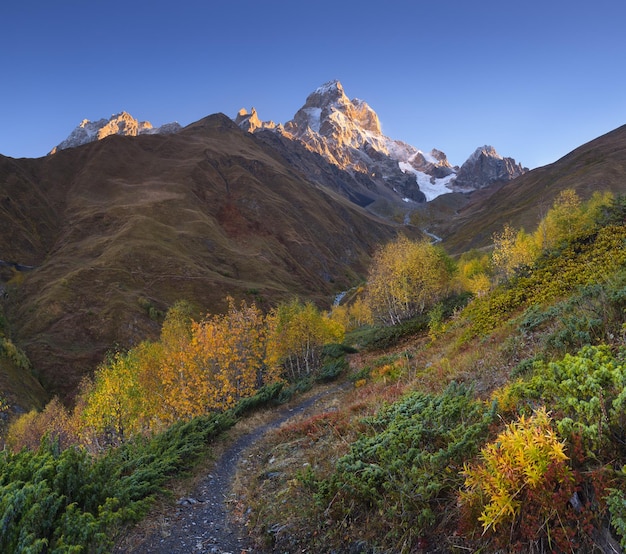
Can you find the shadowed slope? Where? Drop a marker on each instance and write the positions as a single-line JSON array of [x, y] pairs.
[[126, 223]]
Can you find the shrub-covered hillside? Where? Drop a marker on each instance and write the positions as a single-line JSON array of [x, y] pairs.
[[487, 409], [495, 427]]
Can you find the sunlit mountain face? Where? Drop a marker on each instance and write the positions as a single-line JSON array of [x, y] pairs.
[[347, 133]]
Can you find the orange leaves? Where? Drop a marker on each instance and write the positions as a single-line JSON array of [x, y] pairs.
[[230, 349], [209, 365], [196, 368]]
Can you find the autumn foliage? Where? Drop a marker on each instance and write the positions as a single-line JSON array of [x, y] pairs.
[[406, 278], [196, 368], [524, 471]]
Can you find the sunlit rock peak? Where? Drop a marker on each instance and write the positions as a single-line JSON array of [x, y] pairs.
[[250, 121], [118, 124], [348, 134]]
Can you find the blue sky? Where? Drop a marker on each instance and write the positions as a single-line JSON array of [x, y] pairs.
[[534, 79]]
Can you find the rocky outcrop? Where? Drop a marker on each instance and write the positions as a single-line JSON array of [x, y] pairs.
[[250, 121], [118, 124], [486, 167]]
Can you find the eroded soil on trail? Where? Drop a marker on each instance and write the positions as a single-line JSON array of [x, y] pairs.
[[198, 520]]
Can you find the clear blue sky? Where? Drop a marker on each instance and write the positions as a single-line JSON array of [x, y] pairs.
[[534, 79]]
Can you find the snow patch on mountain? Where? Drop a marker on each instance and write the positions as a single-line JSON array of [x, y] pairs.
[[347, 133], [430, 186]]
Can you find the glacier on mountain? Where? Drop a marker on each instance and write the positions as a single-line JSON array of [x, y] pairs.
[[347, 133]]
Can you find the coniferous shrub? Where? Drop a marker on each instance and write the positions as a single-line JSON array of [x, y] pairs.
[[405, 472], [66, 500]]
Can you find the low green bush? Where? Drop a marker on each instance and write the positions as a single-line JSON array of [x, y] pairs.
[[404, 473], [61, 501]]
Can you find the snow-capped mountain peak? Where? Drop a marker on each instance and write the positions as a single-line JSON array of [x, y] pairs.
[[348, 134], [118, 124]]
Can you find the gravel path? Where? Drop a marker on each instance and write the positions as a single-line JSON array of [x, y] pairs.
[[199, 523]]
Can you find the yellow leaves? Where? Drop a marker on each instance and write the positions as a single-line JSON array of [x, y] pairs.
[[231, 350], [55, 421], [217, 361], [520, 459], [513, 250], [114, 404], [569, 218], [197, 367], [296, 334], [405, 278]]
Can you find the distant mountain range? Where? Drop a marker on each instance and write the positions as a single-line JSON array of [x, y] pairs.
[[122, 124], [121, 228], [347, 134]]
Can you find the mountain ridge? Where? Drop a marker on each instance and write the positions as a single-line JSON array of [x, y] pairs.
[[121, 123], [118, 230], [598, 165], [347, 133]]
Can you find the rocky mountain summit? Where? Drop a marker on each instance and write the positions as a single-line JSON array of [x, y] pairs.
[[485, 167], [347, 133], [118, 124], [250, 121]]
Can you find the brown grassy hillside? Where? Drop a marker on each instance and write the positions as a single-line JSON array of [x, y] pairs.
[[469, 222], [122, 228]]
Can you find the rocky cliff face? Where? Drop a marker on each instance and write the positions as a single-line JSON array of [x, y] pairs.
[[486, 167], [347, 134], [118, 124], [250, 121]]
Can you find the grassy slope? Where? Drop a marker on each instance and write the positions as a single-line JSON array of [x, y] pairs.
[[469, 222], [542, 322], [128, 223]]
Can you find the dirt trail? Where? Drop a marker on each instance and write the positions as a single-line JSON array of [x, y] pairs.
[[199, 523]]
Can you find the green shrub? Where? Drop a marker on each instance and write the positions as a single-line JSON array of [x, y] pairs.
[[587, 393], [380, 338], [404, 473], [265, 396], [334, 361], [55, 500], [616, 501], [14, 354]]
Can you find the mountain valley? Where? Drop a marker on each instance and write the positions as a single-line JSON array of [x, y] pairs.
[[121, 220], [439, 319]]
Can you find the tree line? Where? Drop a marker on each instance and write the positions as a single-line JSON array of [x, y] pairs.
[[195, 368]]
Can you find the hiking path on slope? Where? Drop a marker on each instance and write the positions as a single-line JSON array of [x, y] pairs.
[[199, 523]]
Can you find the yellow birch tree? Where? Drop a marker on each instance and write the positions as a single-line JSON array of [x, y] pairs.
[[406, 278], [297, 334]]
